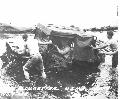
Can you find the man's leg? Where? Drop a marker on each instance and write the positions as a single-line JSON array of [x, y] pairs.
[[41, 66], [30, 62], [26, 68]]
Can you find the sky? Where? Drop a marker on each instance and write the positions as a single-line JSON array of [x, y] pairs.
[[81, 13]]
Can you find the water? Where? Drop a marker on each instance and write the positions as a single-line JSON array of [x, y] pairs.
[[63, 84]]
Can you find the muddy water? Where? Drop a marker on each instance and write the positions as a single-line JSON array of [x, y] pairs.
[[64, 84]]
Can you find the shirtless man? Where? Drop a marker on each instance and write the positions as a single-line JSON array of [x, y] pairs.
[[112, 45], [31, 47]]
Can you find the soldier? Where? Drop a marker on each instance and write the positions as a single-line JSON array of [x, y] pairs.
[[112, 45], [31, 47]]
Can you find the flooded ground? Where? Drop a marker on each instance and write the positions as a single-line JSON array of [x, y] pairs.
[[85, 84]]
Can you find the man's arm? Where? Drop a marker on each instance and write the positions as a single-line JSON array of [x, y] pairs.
[[64, 51], [111, 53], [40, 42], [20, 51], [100, 47]]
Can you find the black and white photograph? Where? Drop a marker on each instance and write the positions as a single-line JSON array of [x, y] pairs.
[[59, 49]]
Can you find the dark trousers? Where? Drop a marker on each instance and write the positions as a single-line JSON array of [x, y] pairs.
[[115, 60], [35, 60]]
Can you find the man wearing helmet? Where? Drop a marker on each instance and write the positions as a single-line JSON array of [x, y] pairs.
[[31, 47]]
